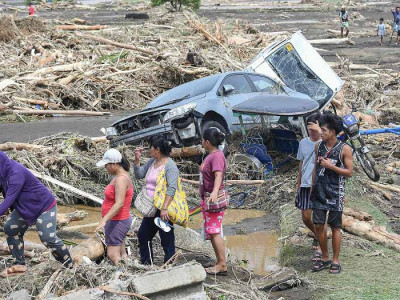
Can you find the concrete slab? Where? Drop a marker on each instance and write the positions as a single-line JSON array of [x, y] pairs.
[[176, 283]]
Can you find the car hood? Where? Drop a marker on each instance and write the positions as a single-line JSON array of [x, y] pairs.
[[277, 105], [150, 108]]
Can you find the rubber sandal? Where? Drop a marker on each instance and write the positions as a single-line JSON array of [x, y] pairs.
[[220, 273], [209, 264], [315, 244], [320, 265], [335, 269], [317, 256]]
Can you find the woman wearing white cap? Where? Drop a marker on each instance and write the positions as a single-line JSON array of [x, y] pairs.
[[116, 206]]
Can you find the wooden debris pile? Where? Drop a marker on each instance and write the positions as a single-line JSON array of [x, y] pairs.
[[66, 68]]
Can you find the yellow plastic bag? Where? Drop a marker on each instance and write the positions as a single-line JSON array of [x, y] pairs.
[[178, 210]]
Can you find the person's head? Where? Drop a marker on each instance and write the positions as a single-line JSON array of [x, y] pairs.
[[114, 161], [398, 9], [212, 138], [331, 125], [343, 9], [381, 20], [312, 123], [160, 147], [30, 4]]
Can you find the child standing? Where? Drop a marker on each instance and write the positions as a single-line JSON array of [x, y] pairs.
[[380, 31], [31, 9]]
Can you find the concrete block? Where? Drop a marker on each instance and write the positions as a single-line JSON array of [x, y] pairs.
[[89, 294], [20, 295], [196, 296], [176, 283], [189, 239]]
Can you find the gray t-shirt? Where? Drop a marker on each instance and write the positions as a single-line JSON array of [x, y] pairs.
[[306, 153]]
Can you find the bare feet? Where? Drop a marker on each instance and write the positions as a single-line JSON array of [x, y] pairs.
[[14, 270]]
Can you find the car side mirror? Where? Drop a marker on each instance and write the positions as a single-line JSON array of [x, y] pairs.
[[227, 89]]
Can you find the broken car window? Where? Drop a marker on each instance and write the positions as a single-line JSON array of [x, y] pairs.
[[239, 82], [295, 74], [264, 84]]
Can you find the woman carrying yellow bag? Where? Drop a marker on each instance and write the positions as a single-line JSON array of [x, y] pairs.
[[178, 210], [159, 171]]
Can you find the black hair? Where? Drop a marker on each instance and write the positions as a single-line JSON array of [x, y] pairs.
[[332, 122], [161, 143], [125, 163], [314, 118], [381, 19], [214, 136]]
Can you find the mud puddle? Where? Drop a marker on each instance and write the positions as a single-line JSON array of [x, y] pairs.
[[250, 237], [94, 216], [249, 234]]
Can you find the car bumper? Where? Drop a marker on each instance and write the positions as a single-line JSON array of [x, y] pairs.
[[140, 135]]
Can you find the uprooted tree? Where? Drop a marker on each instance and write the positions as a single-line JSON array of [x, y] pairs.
[[177, 4]]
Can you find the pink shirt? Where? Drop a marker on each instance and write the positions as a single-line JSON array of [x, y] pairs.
[[213, 162], [151, 180]]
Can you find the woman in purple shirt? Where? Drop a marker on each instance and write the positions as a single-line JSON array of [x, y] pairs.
[[212, 173], [32, 203]]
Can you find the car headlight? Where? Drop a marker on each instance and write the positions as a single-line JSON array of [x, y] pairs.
[[179, 111], [111, 131]]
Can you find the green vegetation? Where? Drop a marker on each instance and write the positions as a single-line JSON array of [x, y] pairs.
[[177, 4], [370, 271]]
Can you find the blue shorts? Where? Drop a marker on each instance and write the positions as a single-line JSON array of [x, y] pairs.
[[344, 24], [116, 230], [303, 198]]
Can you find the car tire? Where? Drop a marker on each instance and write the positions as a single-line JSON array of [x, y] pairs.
[[209, 124]]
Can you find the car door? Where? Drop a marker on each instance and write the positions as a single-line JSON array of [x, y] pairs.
[[242, 91], [298, 65]]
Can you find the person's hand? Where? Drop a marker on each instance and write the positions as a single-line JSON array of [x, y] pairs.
[[326, 163], [101, 225], [138, 154], [213, 197], [298, 186], [313, 126], [164, 215]]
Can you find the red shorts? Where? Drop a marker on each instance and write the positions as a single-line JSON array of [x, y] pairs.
[[212, 221]]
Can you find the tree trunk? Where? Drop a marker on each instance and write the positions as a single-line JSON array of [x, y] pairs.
[[91, 248]]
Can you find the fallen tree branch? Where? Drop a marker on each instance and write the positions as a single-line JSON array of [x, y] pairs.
[[81, 27], [58, 112], [393, 188], [59, 68], [331, 41], [65, 219], [22, 146], [108, 289], [239, 182], [68, 187], [116, 44], [44, 103]]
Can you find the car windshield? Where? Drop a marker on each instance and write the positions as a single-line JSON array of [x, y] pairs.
[[297, 75], [187, 90]]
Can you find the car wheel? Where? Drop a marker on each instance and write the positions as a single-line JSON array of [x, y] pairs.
[[209, 124]]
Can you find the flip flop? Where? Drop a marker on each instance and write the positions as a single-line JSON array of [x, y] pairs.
[[320, 265], [209, 264], [220, 273], [6, 273]]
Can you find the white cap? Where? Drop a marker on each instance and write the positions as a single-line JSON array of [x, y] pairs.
[[112, 156]]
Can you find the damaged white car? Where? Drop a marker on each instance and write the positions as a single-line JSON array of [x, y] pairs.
[[291, 67]]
